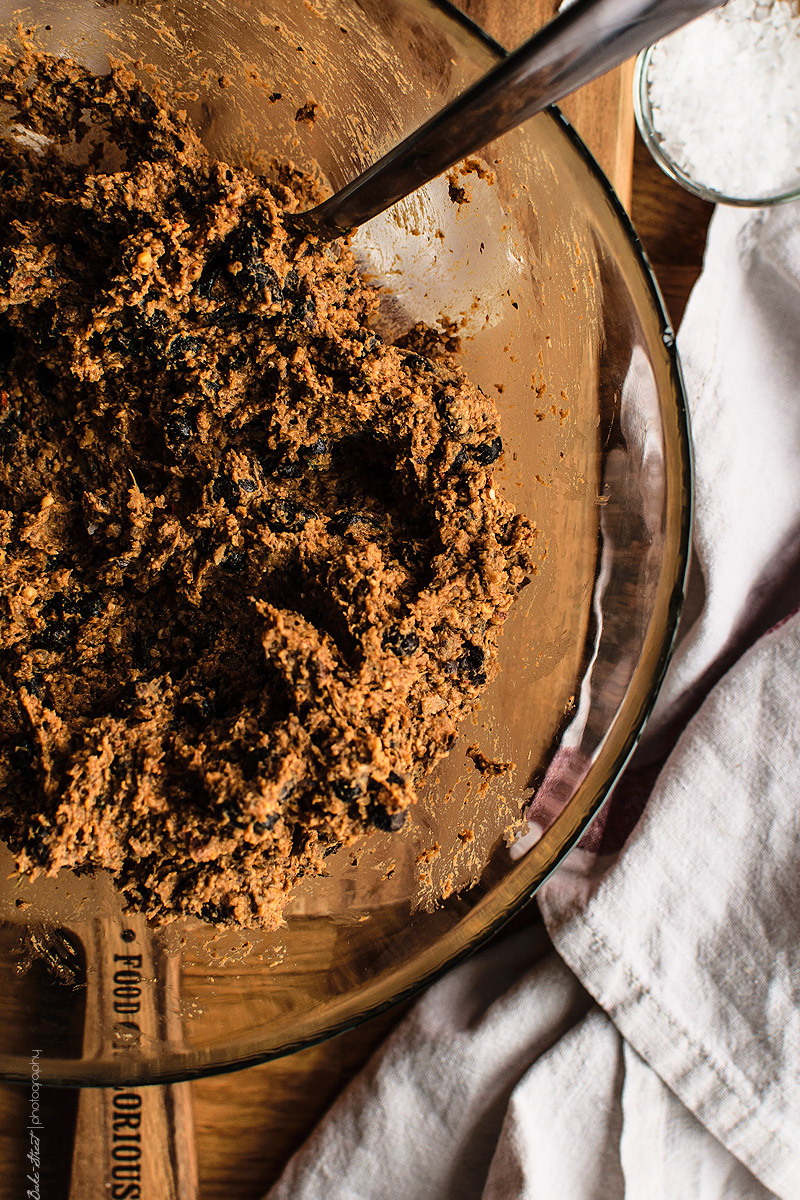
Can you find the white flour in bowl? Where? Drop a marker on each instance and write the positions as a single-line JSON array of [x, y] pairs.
[[724, 94]]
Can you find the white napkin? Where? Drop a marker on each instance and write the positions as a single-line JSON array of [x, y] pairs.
[[658, 1058]]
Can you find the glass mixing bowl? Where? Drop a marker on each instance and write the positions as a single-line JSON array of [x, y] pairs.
[[561, 320]]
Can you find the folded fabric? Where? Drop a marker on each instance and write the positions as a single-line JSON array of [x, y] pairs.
[[658, 1054]]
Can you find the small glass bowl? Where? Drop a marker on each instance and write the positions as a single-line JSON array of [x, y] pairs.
[[644, 120]]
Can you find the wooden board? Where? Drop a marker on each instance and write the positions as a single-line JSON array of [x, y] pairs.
[[602, 112], [248, 1123]]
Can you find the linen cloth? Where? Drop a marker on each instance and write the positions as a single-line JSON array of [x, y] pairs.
[[647, 1045]]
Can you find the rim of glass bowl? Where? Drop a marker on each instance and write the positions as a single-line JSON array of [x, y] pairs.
[[644, 120], [571, 824]]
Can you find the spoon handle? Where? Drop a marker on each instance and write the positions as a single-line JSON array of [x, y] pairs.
[[584, 41]]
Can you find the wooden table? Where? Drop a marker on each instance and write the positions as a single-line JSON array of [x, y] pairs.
[[249, 1123]]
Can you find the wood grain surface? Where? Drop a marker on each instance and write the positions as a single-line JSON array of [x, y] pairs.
[[248, 1123]]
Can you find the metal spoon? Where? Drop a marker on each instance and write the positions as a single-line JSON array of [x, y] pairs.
[[584, 41]]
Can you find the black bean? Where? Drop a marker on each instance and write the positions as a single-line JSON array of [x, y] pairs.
[[284, 516], [156, 322], [401, 644], [471, 662], [230, 809], [259, 277], [214, 265], [381, 818], [346, 790], [247, 485], [8, 265], [417, 362], [235, 561], [486, 453], [288, 469], [35, 685], [88, 606], [56, 607], [225, 489], [54, 636], [83, 605], [368, 340], [305, 310], [216, 913], [343, 521], [183, 346], [269, 822], [445, 400], [146, 335], [180, 427], [255, 276]]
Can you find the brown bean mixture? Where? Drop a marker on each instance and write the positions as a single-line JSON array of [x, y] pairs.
[[253, 565]]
